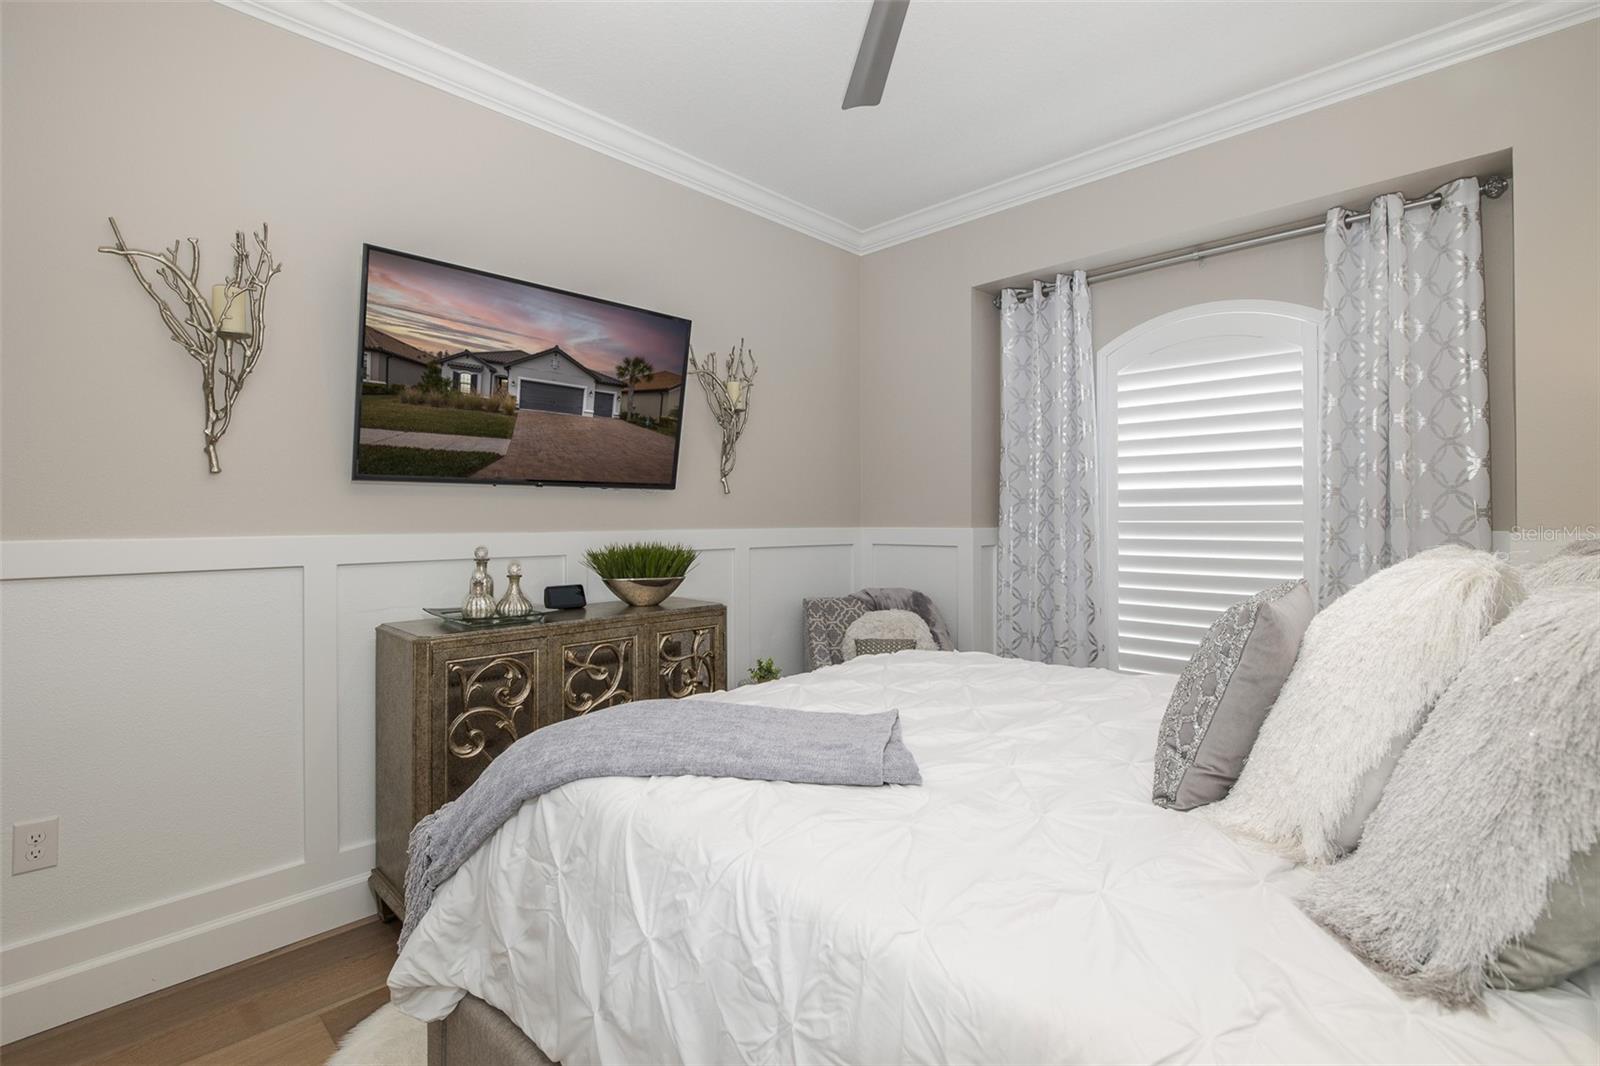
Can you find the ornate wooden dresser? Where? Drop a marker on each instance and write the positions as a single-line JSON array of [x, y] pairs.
[[449, 701]]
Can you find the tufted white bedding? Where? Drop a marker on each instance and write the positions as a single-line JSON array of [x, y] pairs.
[[1027, 904]]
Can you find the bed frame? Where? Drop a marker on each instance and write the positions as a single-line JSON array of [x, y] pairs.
[[476, 1034]]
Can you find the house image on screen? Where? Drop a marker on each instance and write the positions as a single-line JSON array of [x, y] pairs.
[[658, 396], [550, 380], [390, 361]]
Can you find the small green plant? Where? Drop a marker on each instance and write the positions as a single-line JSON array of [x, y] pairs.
[[764, 670], [643, 559]]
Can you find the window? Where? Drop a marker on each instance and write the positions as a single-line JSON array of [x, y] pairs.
[[366, 366], [1208, 470]]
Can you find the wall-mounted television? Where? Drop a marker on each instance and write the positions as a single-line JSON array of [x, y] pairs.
[[467, 376]]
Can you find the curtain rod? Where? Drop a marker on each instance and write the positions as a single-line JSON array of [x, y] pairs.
[[1493, 187]]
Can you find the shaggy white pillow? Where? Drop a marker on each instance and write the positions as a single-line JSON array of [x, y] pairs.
[[887, 625], [1479, 846], [1370, 667]]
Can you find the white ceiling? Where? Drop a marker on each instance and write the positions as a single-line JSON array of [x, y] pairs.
[[988, 103]]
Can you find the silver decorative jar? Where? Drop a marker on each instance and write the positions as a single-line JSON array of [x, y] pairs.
[[479, 604], [480, 569], [513, 604]]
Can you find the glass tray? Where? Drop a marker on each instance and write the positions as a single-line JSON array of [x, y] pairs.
[[451, 616]]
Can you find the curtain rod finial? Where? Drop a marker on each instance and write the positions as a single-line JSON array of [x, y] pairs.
[[1495, 186]]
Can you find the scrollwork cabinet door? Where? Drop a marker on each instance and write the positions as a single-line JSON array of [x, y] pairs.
[[491, 700], [687, 660], [597, 673]]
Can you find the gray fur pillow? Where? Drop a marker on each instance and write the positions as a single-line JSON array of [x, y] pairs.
[[1578, 561], [1485, 813], [1224, 694]]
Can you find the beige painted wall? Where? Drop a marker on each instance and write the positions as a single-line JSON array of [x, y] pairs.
[[335, 152], [125, 109], [929, 368]]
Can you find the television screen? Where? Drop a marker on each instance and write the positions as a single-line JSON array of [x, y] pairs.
[[469, 376]]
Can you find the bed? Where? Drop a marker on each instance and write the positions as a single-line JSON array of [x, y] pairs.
[[1027, 904]]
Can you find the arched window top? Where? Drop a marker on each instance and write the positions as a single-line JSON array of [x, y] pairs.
[[1207, 468], [1244, 318]]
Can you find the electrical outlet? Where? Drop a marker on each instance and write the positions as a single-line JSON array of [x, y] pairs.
[[33, 845]]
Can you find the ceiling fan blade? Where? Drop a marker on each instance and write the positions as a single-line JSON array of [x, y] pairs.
[[877, 52]]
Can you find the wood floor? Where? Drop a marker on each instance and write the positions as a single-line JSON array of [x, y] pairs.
[[286, 1008]]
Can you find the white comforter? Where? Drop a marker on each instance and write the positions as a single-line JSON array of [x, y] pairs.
[[1027, 904]]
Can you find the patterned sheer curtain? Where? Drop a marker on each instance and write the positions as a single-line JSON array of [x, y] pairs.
[[1046, 590], [1405, 433]]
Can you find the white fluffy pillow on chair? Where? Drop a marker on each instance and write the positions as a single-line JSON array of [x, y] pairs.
[[1369, 670], [887, 625]]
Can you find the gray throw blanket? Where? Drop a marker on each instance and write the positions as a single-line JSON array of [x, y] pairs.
[[654, 738], [909, 600]]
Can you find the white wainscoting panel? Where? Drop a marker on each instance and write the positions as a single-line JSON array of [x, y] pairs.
[[780, 577], [199, 714], [953, 566], [931, 568], [986, 580], [105, 678]]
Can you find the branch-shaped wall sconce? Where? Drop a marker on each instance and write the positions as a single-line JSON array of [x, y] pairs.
[[224, 333], [728, 393]]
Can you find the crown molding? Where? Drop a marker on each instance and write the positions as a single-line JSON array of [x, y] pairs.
[[1499, 27], [358, 34], [334, 24]]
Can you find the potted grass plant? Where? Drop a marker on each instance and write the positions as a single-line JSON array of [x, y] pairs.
[[641, 574]]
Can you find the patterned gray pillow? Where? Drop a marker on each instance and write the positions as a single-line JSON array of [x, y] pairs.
[[883, 645], [827, 617], [1224, 694]]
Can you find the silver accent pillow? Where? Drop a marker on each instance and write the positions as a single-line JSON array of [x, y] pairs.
[[1224, 694], [883, 645], [1564, 940]]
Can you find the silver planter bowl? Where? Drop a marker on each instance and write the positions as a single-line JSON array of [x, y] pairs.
[[642, 591]]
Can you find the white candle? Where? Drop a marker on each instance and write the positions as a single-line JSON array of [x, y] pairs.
[[232, 318], [735, 394]]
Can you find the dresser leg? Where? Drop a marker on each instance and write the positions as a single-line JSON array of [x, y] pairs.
[[381, 890]]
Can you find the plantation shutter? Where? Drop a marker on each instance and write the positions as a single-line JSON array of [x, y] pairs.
[[1209, 483]]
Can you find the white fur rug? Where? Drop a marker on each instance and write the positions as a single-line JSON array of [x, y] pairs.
[[384, 1038]]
